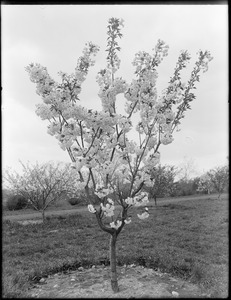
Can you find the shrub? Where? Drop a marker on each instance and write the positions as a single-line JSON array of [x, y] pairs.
[[5, 196], [16, 202], [74, 201], [79, 199]]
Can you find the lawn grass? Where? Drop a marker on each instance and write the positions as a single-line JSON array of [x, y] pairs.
[[186, 239]]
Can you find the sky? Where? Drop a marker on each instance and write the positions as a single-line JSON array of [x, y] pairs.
[[55, 36]]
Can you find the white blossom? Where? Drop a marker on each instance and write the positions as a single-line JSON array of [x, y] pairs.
[[116, 224], [91, 208], [143, 216], [127, 221]]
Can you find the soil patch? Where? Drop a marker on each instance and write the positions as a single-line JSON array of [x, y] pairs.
[[134, 282]]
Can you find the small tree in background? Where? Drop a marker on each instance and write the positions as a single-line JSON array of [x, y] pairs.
[[162, 178], [215, 180], [219, 178], [186, 187], [99, 140], [205, 184], [42, 184], [195, 184], [16, 202], [187, 169]]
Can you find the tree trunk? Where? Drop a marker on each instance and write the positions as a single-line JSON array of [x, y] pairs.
[[43, 215], [155, 200], [114, 282]]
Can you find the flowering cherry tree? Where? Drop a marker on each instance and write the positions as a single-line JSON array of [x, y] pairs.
[[98, 141]]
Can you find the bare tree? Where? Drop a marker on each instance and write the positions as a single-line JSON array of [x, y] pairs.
[[42, 184], [187, 169]]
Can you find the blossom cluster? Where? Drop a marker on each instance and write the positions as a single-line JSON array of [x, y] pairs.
[[116, 224], [91, 208], [151, 161], [139, 200], [108, 209], [102, 192], [59, 98], [205, 58], [114, 32], [144, 60], [109, 91], [144, 215], [85, 61]]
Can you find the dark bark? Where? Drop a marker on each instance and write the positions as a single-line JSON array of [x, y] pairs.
[[114, 281], [43, 215], [155, 200]]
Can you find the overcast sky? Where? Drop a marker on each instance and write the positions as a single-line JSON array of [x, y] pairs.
[[54, 36]]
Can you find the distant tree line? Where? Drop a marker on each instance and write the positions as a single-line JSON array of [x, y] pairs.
[[215, 180], [165, 183], [43, 185]]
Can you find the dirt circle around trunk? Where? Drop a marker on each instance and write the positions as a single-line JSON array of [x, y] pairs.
[[134, 282]]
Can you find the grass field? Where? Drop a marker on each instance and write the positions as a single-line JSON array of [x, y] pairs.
[[186, 239]]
